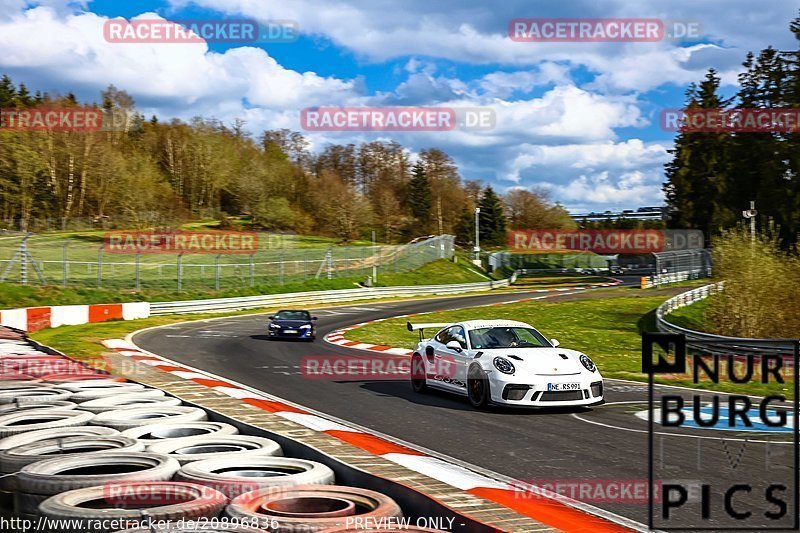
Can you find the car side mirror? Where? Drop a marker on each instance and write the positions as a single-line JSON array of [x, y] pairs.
[[271, 317], [313, 318], [555, 343], [454, 345]]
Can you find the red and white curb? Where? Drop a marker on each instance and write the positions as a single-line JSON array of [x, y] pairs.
[[338, 337], [541, 505]]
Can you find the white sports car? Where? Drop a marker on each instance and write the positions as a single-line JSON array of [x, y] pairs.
[[503, 362]]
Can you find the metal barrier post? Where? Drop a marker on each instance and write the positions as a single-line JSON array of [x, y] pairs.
[[100, 267], [180, 271], [216, 271], [138, 271], [252, 270], [64, 264]]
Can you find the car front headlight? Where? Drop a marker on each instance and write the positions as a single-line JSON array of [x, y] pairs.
[[305, 326], [503, 365], [587, 363], [274, 326]]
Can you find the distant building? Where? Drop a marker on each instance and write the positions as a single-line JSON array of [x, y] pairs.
[[643, 213]]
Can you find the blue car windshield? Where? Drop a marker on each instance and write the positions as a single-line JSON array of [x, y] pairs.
[[292, 315], [506, 337]]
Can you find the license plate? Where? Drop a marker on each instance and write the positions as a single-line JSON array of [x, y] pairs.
[[563, 386], [292, 331]]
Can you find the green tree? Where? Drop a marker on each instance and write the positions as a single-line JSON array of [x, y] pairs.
[[699, 173], [419, 198], [7, 92], [492, 220]]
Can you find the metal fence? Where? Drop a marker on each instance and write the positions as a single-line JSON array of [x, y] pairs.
[[546, 261], [81, 261], [697, 262]]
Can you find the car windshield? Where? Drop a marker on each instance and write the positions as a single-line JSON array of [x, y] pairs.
[[292, 315], [506, 337]]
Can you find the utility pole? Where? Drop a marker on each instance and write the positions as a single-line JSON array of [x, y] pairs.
[[477, 234], [439, 210], [374, 258], [751, 214]]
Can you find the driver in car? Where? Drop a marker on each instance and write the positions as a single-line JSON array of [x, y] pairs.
[[501, 338]]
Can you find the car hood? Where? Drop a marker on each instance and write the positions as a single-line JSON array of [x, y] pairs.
[[540, 361], [291, 323]]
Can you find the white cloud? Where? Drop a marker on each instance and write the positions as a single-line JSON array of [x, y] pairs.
[[380, 30], [177, 78]]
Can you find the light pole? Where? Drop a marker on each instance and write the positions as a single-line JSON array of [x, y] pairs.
[[477, 234], [751, 214], [374, 260]]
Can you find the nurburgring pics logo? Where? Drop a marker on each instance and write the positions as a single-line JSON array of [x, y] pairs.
[[736, 490], [594, 30], [716, 120], [85, 119], [605, 241], [181, 242], [397, 118], [154, 31]]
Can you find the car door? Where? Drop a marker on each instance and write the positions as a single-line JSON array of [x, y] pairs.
[[450, 365], [460, 359], [438, 370]]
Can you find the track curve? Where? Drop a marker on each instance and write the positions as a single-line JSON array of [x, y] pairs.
[[531, 446]]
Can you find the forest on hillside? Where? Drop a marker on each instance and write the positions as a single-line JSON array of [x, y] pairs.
[[154, 172]]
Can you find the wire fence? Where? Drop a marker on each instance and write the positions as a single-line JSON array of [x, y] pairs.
[[82, 261], [697, 262]]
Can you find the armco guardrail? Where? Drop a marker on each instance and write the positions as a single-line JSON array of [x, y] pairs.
[[708, 341], [671, 277], [312, 297]]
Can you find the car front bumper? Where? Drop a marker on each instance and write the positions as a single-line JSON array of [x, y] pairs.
[[297, 334], [508, 390]]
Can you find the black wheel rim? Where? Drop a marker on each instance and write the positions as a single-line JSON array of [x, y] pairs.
[[477, 390]]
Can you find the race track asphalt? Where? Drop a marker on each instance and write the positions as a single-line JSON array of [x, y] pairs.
[[600, 446]]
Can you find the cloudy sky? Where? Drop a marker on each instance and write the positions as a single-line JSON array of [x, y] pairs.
[[580, 119]]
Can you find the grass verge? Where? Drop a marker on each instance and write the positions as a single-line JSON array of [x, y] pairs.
[[690, 316], [437, 272], [607, 328]]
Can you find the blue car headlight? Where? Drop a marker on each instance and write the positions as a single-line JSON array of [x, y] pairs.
[[274, 326], [587, 363], [305, 326], [503, 365]]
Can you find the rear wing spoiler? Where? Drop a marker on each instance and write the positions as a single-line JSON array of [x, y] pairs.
[[422, 327]]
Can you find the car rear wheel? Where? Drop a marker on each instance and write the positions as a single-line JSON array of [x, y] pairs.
[[478, 388], [418, 374]]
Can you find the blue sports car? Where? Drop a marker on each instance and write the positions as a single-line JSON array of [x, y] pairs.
[[292, 324]]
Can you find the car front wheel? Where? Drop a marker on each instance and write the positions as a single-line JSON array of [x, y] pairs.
[[478, 388]]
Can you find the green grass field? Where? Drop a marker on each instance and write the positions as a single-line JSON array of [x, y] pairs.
[[438, 272], [280, 259], [606, 326], [690, 316]]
